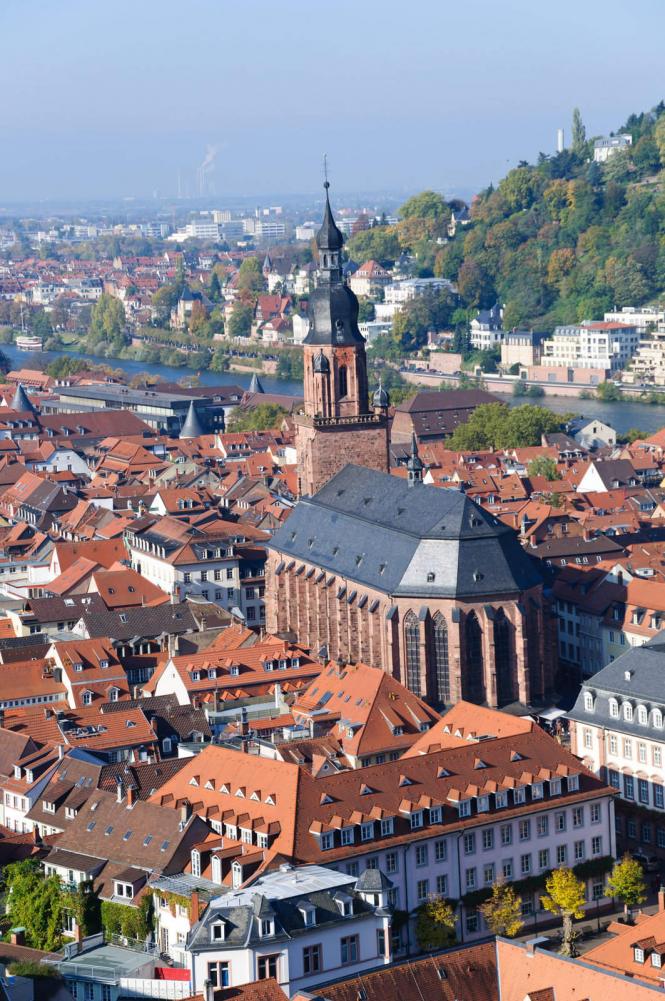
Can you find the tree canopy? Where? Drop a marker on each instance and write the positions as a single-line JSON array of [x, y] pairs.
[[496, 425], [558, 241], [503, 911], [565, 899], [626, 883], [261, 418], [435, 924], [108, 320]]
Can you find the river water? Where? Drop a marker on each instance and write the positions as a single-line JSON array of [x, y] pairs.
[[621, 416]]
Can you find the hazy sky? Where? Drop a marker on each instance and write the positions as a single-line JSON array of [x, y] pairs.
[[114, 97]]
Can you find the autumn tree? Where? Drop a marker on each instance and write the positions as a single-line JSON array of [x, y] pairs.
[[503, 910], [162, 302], [565, 899], [435, 924], [626, 883]]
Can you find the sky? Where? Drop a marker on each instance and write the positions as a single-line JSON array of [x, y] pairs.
[[122, 99]]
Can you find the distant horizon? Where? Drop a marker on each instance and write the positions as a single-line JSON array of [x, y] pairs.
[[249, 97]]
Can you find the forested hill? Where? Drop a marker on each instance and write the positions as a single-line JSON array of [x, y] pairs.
[[556, 242]]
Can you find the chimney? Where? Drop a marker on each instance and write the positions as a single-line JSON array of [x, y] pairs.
[[118, 790], [194, 910], [61, 752], [185, 811], [244, 722], [131, 796], [661, 900]]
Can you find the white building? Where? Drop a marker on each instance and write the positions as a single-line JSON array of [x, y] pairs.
[[606, 147], [303, 926], [617, 729], [597, 345], [486, 329], [643, 318]]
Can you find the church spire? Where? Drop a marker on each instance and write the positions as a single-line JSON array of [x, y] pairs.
[[415, 463], [330, 241]]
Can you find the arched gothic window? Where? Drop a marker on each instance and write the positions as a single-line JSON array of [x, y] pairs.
[[473, 671], [412, 647], [504, 660], [440, 656], [343, 381]]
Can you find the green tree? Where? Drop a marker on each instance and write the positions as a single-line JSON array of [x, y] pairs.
[[435, 925], [264, 417], [626, 883], [565, 899], [41, 324], [35, 903], [381, 243], [579, 133], [635, 434], [426, 205], [496, 425], [215, 288], [163, 301], [503, 911], [250, 275], [108, 320], [240, 321], [542, 465]]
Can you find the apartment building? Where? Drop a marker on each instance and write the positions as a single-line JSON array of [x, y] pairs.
[[592, 345], [617, 730], [437, 823]]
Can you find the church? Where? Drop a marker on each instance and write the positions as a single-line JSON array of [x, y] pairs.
[[417, 580]]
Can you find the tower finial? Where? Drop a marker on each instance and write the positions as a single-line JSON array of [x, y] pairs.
[[326, 182]]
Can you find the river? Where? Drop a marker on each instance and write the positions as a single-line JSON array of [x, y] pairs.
[[621, 416]]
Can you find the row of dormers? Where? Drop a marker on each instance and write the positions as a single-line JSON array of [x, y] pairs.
[[241, 792], [283, 664], [417, 815], [627, 710]]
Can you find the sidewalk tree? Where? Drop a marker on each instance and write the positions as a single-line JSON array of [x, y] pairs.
[[565, 899], [626, 883], [503, 911], [435, 925]]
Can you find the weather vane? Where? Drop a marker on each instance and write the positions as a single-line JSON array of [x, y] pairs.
[[326, 182]]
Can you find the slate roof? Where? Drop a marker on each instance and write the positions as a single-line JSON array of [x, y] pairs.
[[376, 530], [645, 666], [124, 624]]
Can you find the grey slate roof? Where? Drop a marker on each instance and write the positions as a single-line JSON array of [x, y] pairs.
[[21, 401], [145, 621], [192, 427], [645, 686], [378, 531]]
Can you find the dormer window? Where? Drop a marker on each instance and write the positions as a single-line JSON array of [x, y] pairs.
[[17, 771], [78, 666], [387, 826], [327, 841], [657, 719], [308, 912], [614, 708], [345, 904], [628, 712], [49, 807], [104, 663], [537, 791], [218, 931], [483, 804], [416, 820], [638, 954], [435, 815], [464, 807], [656, 959], [519, 795], [501, 800], [196, 862], [235, 670], [367, 831], [555, 787], [348, 835], [588, 702], [196, 675], [642, 715], [573, 783], [125, 890], [398, 731], [266, 927]]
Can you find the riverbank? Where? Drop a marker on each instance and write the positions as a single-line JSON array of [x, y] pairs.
[[622, 416]]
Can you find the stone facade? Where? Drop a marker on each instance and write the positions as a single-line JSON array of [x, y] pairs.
[[325, 446], [492, 652]]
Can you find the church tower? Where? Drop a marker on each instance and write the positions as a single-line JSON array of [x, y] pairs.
[[337, 425]]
